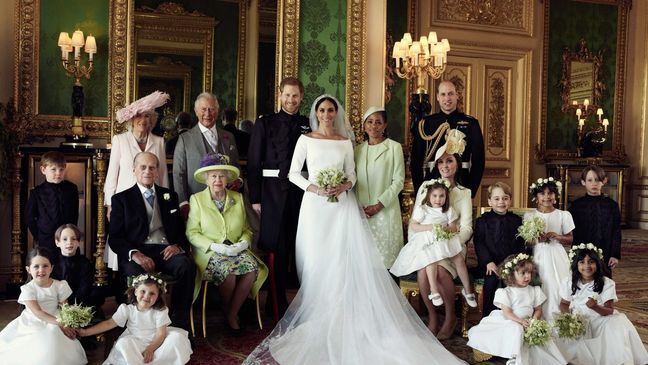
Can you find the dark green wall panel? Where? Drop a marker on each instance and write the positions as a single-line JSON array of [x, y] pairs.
[[569, 21], [396, 27], [55, 88]]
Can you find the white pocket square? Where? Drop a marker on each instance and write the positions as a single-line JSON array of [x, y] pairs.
[[173, 211]]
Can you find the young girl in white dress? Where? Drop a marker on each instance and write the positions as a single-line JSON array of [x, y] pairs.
[[148, 339], [610, 338], [425, 248], [35, 337], [501, 333], [549, 254]]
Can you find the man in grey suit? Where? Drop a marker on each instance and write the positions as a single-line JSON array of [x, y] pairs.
[[192, 145]]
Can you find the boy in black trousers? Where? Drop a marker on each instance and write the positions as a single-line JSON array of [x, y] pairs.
[[53, 203], [496, 238]]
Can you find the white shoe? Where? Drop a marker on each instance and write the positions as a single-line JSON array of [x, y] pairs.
[[436, 299], [511, 361], [470, 298]]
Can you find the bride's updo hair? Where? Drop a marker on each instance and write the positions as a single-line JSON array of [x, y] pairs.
[[319, 102]]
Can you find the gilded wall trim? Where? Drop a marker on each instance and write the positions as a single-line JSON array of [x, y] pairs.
[[496, 172], [497, 110], [26, 70], [117, 87], [355, 69], [287, 58], [460, 75], [242, 50], [500, 16]]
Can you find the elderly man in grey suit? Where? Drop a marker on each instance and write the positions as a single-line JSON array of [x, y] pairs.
[[194, 144]]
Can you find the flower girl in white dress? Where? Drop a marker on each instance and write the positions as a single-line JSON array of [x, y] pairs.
[[549, 254], [148, 339], [434, 225], [610, 339], [35, 337], [501, 333]]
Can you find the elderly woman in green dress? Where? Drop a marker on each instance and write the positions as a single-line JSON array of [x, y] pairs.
[[381, 171], [221, 237]]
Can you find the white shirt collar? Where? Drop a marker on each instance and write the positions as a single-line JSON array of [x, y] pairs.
[[143, 188], [204, 129]]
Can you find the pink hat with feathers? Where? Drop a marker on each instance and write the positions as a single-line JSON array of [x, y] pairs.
[[148, 103]]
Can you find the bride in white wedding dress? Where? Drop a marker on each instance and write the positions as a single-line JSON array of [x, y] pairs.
[[348, 309]]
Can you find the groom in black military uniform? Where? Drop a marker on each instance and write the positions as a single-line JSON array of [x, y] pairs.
[[273, 196], [429, 134]]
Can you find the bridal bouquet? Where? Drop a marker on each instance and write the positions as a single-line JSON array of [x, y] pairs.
[[570, 325], [74, 315], [538, 333], [330, 178], [531, 228], [442, 232]]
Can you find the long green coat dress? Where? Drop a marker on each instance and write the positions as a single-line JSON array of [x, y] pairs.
[[380, 170]]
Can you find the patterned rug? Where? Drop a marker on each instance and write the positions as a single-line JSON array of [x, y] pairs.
[[219, 348]]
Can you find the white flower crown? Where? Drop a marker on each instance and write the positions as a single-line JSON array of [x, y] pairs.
[[584, 246], [137, 280], [509, 265], [541, 183], [429, 183]]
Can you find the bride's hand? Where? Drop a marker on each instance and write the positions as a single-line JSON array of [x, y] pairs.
[[339, 189]]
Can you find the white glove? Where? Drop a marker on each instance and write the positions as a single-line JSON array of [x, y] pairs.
[[229, 250]]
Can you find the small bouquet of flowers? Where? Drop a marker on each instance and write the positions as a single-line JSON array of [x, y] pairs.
[[330, 178], [74, 315], [531, 228], [538, 333], [570, 325], [442, 232]]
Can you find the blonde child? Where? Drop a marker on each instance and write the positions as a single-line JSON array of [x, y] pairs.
[[549, 253], [495, 239], [611, 339], [426, 248], [148, 339], [502, 332], [35, 337]]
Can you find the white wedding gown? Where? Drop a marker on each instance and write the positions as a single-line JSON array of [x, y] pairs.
[[348, 310]]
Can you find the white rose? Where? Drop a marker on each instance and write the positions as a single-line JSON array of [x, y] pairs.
[[540, 181]]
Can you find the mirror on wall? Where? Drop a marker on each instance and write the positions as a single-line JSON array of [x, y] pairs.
[[581, 77]]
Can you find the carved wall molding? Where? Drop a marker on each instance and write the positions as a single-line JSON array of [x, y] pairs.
[[26, 75], [242, 52], [287, 58], [498, 112], [460, 75], [497, 172], [501, 16], [356, 53]]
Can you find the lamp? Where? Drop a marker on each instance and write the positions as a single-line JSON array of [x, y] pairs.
[[591, 136], [74, 68]]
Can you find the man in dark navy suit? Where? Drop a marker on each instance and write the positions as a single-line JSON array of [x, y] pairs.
[[429, 134], [148, 235]]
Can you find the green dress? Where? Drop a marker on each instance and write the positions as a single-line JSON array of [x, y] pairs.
[[380, 170]]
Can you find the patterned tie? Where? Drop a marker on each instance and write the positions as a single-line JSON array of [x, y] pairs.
[[149, 194], [211, 139]]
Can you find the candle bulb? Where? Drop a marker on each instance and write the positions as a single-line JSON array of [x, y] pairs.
[[606, 123], [579, 112], [581, 124], [599, 112], [574, 102], [586, 103]]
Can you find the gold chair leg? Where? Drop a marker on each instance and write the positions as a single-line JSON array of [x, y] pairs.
[[191, 319], [204, 308], [258, 312], [464, 318]]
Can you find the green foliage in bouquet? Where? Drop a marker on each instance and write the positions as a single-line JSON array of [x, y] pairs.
[[570, 325], [442, 232], [74, 315], [538, 333], [531, 228], [330, 178]]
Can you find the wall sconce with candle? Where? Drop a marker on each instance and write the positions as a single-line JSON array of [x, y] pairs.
[[74, 68], [592, 135]]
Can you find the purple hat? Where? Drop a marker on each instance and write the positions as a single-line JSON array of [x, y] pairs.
[[215, 161]]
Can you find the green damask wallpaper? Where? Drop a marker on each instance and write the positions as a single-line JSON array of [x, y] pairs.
[[569, 21], [322, 49], [396, 27], [55, 88]]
